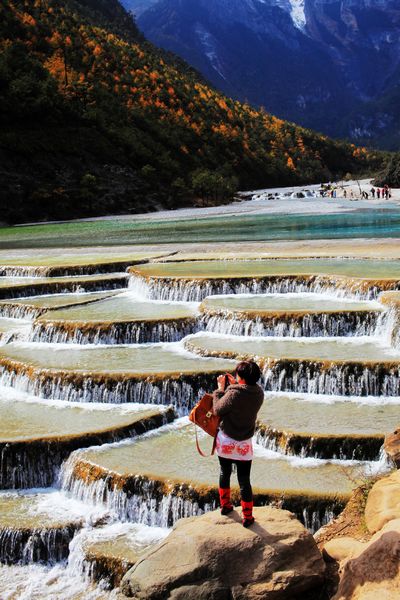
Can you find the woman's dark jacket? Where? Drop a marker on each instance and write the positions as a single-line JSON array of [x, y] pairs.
[[238, 406]]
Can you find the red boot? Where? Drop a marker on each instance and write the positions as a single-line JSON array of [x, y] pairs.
[[225, 500], [247, 513]]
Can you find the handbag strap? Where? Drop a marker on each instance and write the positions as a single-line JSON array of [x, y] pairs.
[[199, 450]]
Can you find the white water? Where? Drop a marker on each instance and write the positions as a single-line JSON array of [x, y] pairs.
[[37, 582], [108, 513], [366, 468], [193, 291]]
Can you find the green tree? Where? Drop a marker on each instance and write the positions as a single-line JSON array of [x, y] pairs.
[[391, 174], [213, 185], [88, 190], [26, 88]]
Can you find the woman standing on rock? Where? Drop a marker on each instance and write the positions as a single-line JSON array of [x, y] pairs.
[[237, 405]]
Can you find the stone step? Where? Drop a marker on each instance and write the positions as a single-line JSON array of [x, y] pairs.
[[322, 427], [160, 477], [149, 373], [37, 435], [358, 366], [122, 319], [20, 287], [37, 527], [34, 306]]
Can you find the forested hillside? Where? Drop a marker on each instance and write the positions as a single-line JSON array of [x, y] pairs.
[[95, 120]]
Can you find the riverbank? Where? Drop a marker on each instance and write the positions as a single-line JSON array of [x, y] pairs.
[[249, 203]]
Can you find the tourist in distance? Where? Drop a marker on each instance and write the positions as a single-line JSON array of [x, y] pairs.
[[237, 404]]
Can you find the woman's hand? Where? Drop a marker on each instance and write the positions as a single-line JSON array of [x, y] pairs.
[[221, 382]]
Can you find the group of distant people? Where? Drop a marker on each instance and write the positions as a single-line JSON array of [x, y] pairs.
[[328, 190], [331, 191], [384, 192]]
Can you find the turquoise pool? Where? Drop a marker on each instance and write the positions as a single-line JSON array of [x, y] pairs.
[[366, 224]]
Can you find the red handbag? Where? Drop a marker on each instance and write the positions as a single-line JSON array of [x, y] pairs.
[[202, 415]]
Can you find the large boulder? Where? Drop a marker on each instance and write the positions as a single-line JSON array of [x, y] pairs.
[[383, 504], [213, 557], [341, 548], [373, 572]]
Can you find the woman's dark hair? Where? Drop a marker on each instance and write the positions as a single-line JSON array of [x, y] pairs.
[[249, 371]]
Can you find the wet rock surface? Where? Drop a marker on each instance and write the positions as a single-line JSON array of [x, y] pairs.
[[276, 558]]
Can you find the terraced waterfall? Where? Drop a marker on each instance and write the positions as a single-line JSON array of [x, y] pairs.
[[101, 361]]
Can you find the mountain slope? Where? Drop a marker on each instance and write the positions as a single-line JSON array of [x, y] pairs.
[[95, 122], [322, 63]]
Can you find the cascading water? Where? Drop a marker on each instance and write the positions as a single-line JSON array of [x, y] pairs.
[[15, 311], [36, 463], [60, 286], [123, 333], [21, 271], [146, 501], [336, 448], [147, 506], [48, 546], [95, 565], [388, 327], [347, 379], [309, 325], [182, 393], [64, 271], [195, 291]]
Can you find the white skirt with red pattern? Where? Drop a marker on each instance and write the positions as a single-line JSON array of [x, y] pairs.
[[235, 450]]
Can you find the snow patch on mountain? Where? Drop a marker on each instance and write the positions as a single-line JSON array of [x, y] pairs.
[[294, 7], [209, 44], [298, 14]]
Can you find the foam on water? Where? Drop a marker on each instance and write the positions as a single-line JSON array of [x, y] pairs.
[[309, 325], [136, 535], [193, 291], [137, 532], [367, 468], [59, 505], [37, 582]]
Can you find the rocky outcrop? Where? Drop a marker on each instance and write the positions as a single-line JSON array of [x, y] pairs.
[[383, 502], [369, 566], [372, 570], [214, 557]]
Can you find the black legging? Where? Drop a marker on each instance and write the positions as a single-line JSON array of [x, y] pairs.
[[243, 468]]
